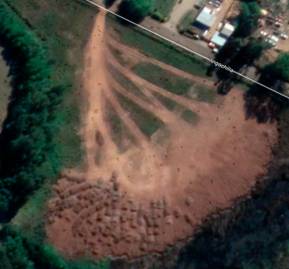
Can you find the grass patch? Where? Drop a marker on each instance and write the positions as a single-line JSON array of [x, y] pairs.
[[167, 102], [186, 22], [30, 217], [5, 89], [126, 83], [119, 133], [64, 28], [118, 55], [147, 122], [162, 9], [190, 116], [159, 49], [162, 78], [202, 94]]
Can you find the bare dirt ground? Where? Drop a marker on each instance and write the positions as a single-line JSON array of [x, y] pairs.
[[179, 10], [148, 197]]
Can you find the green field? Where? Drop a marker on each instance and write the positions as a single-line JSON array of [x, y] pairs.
[[174, 84], [5, 88], [162, 78], [125, 82], [190, 116], [158, 49], [147, 122], [119, 132], [162, 9]]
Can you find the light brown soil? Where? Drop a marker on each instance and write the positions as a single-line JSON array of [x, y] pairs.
[[153, 194]]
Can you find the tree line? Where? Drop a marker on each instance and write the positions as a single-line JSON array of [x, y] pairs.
[[243, 49], [28, 153]]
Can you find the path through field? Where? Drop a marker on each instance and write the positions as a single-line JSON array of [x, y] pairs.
[[153, 172]]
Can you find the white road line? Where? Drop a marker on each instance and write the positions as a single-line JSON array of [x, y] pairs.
[[185, 48]]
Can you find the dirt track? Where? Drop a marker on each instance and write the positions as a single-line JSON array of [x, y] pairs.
[[153, 194]]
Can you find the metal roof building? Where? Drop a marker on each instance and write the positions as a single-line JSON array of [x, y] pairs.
[[227, 30], [219, 40], [205, 19]]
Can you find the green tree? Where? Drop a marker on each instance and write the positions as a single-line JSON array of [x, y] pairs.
[[248, 19], [280, 68], [135, 10]]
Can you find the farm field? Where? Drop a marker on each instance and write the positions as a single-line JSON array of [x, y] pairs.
[[5, 88], [162, 151]]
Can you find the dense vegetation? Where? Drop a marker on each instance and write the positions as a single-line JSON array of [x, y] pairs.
[[136, 10], [29, 150], [243, 49], [278, 70], [26, 140], [248, 19]]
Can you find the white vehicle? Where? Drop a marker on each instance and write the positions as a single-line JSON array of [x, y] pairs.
[[284, 36], [196, 37]]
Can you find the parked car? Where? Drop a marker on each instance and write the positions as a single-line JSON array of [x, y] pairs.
[[211, 45]]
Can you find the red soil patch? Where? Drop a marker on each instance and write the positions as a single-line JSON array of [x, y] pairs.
[[153, 194]]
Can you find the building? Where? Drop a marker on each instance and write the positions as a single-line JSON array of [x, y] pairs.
[[221, 37], [205, 19]]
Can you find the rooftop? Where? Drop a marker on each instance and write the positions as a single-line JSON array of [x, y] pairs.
[[228, 30], [206, 17], [218, 39]]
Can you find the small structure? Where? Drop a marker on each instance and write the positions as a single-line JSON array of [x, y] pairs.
[[220, 38], [227, 30], [205, 19]]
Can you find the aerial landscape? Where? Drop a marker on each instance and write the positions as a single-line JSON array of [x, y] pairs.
[[142, 134]]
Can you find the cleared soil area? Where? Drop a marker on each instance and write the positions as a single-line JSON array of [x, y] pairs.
[[5, 88], [151, 187]]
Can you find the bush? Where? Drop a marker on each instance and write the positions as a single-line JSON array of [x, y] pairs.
[[135, 10]]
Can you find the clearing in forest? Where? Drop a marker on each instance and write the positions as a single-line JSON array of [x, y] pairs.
[[162, 149]]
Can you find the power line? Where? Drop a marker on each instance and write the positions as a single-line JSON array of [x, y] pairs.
[[229, 69]]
